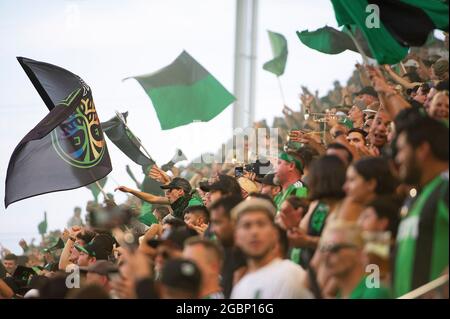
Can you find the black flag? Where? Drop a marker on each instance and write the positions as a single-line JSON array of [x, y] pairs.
[[67, 149], [124, 139]]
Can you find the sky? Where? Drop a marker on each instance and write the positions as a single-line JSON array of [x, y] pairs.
[[105, 41]]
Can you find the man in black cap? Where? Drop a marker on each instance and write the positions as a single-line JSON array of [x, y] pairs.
[[180, 279], [368, 95], [269, 187], [170, 245], [224, 185], [90, 253], [178, 195]]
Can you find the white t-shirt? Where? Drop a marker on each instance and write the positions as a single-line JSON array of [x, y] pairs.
[[280, 279]]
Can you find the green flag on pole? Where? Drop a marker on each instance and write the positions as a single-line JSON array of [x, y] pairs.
[[95, 189], [42, 226], [394, 25], [280, 52], [185, 92], [331, 41]]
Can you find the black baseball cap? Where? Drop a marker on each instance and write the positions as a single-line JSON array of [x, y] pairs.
[[369, 90], [93, 250], [223, 183], [181, 274], [174, 237], [104, 241], [178, 183]]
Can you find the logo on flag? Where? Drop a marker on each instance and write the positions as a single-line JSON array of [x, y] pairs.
[[79, 140]]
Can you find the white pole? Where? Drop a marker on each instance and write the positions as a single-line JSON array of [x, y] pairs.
[[281, 91], [102, 190], [253, 58], [358, 47], [425, 288]]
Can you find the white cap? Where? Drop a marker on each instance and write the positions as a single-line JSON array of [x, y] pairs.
[[412, 63]]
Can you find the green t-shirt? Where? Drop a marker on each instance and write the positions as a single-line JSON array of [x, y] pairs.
[[196, 200], [422, 238], [146, 216], [297, 189], [362, 291], [316, 224]]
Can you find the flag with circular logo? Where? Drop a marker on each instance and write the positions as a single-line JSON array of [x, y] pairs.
[[67, 149]]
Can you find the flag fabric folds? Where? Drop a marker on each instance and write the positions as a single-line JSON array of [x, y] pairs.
[[42, 226], [390, 41], [280, 52], [66, 150], [123, 138], [331, 41], [184, 92]]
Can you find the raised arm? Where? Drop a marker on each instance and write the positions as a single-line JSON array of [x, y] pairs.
[[397, 78], [152, 199], [390, 98]]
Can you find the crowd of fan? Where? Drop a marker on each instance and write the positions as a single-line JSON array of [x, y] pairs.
[[355, 206]]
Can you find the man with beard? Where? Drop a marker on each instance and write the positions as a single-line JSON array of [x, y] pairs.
[[268, 276], [223, 227], [423, 235]]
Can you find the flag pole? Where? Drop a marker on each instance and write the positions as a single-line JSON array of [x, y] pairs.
[[99, 186], [281, 90], [436, 283], [140, 144], [358, 46], [403, 67], [114, 180], [102, 190]]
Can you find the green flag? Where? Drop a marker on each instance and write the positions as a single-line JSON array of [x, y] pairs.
[[42, 226], [399, 24], [331, 41], [95, 189], [184, 92], [280, 52]]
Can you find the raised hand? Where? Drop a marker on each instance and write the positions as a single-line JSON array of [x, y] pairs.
[[123, 189], [159, 175]]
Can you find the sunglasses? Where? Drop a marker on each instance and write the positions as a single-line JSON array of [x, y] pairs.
[[335, 248]]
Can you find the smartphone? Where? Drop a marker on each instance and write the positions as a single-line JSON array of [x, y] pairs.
[[239, 171]]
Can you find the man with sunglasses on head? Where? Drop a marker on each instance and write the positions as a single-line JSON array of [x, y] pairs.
[[341, 249]]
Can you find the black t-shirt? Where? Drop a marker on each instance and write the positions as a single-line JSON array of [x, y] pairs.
[[233, 260]]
